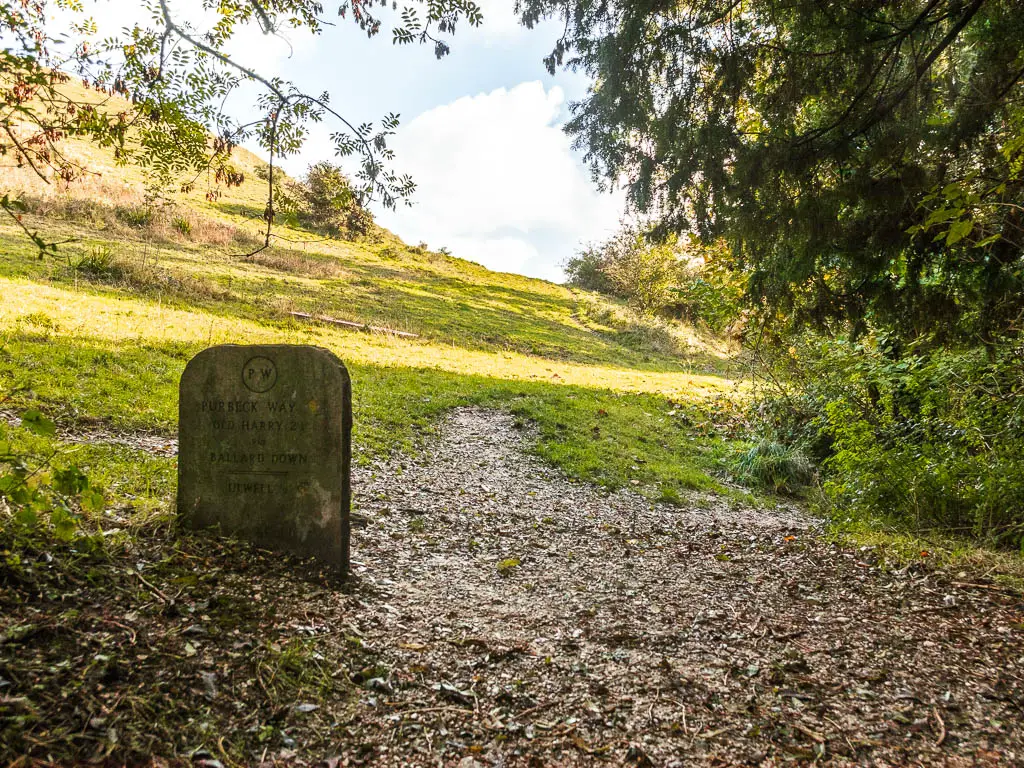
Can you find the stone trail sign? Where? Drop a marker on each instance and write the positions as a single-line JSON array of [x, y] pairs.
[[264, 436]]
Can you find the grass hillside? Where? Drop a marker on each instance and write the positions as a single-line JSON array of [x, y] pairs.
[[93, 342], [100, 334], [495, 609]]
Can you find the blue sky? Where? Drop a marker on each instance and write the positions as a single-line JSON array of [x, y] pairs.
[[498, 182]]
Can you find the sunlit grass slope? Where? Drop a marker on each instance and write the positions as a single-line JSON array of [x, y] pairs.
[[101, 333]]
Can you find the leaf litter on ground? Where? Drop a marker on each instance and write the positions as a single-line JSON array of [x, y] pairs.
[[627, 632]]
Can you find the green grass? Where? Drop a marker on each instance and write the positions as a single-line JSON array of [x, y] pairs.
[[102, 332], [607, 437], [443, 299]]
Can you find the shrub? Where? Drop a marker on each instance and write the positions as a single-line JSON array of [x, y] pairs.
[[41, 498], [182, 225], [358, 221], [709, 290], [645, 275], [327, 202], [923, 437], [686, 280], [696, 298], [629, 266], [263, 173], [586, 270]]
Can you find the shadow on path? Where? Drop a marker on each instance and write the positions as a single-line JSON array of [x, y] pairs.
[[519, 616]]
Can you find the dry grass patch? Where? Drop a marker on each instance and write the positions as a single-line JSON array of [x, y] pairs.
[[131, 216], [299, 263]]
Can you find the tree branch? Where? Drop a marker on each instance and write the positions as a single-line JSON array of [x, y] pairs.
[[283, 102]]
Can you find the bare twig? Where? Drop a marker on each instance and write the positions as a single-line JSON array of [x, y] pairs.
[[813, 735], [152, 588], [942, 727], [534, 710], [354, 326]]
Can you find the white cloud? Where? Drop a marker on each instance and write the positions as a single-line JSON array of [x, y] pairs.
[[498, 182]]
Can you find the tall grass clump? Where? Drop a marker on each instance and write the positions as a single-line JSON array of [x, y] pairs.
[[98, 262], [135, 216], [182, 226], [774, 466]]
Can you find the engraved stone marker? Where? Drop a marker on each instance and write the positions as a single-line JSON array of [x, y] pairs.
[[264, 449]]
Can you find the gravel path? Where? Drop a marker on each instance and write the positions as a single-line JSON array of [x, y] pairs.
[[502, 615], [521, 619]]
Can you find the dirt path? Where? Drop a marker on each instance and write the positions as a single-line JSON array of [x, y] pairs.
[[501, 615], [649, 634]]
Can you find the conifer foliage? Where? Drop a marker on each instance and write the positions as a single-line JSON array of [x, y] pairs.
[[864, 159]]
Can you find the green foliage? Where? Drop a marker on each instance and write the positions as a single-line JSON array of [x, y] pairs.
[[709, 291], [865, 165], [34, 421], [586, 270], [685, 280], [698, 299], [926, 439], [629, 266], [182, 225], [328, 196], [326, 202], [263, 172], [642, 272], [43, 498]]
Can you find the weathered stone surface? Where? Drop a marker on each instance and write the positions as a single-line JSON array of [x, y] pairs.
[[265, 447]]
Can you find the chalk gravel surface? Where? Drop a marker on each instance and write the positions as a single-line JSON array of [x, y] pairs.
[[518, 618]]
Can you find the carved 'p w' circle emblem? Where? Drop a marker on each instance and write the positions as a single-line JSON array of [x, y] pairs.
[[259, 374]]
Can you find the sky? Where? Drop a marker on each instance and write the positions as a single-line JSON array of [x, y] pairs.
[[481, 130]]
